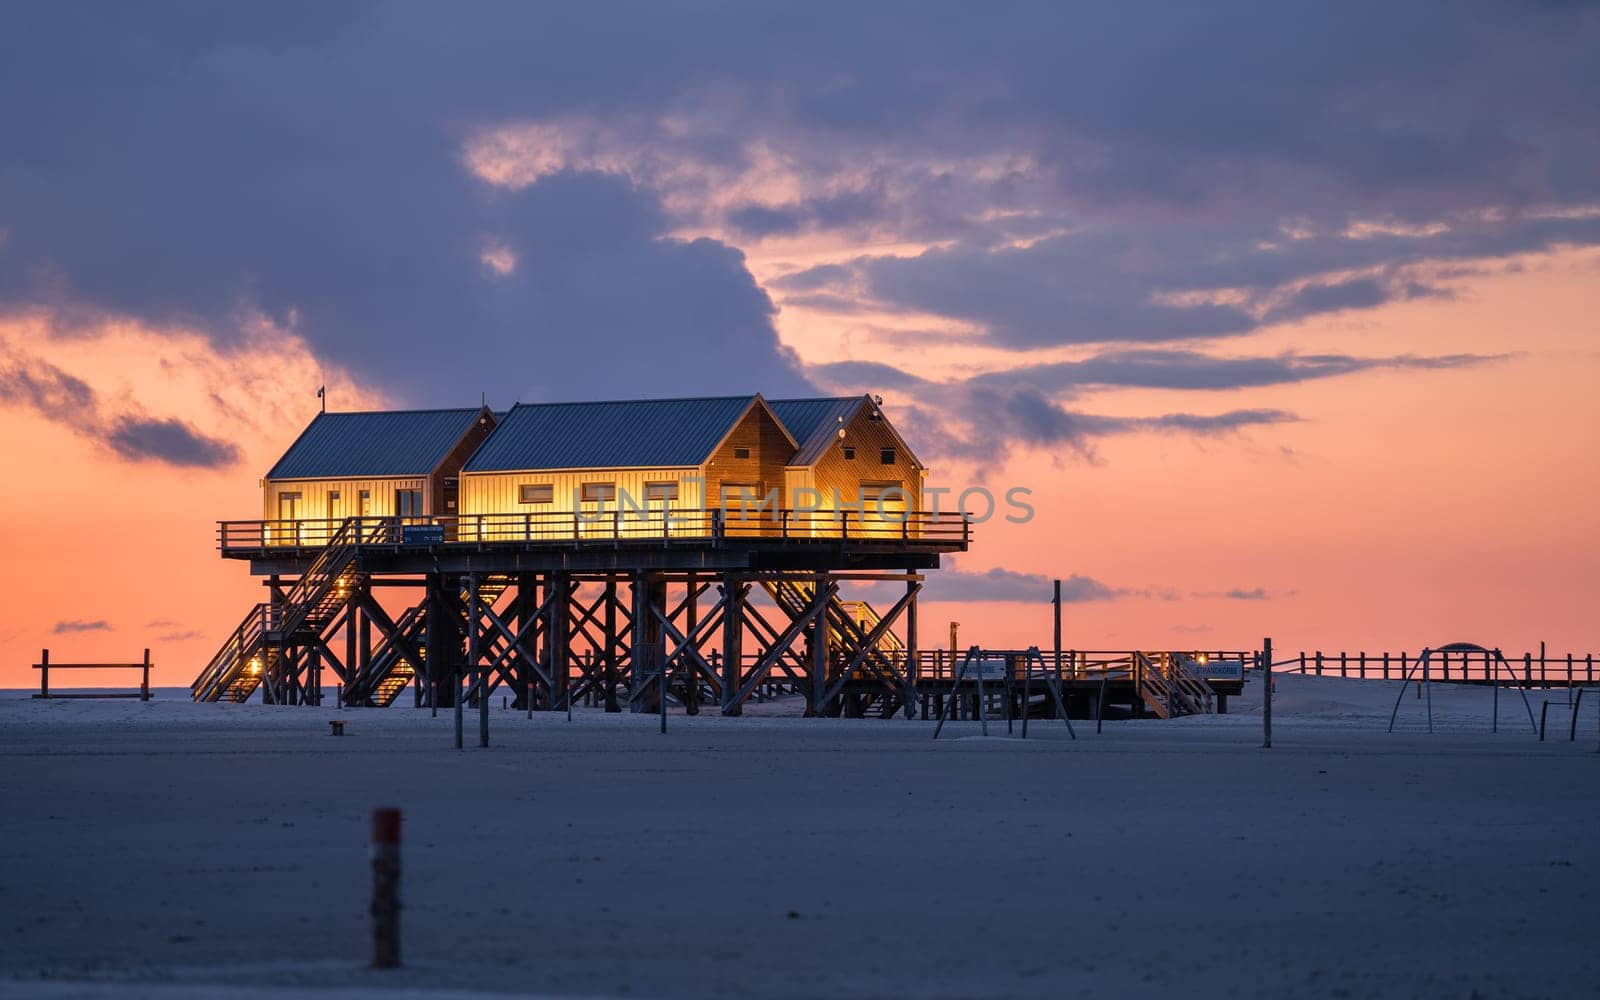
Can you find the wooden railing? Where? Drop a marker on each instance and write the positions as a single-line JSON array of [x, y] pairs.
[[614, 525], [1455, 666]]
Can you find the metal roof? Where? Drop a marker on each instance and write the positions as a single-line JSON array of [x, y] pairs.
[[620, 434], [815, 422], [394, 443]]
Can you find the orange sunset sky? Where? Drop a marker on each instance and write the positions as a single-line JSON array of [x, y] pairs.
[[1287, 320]]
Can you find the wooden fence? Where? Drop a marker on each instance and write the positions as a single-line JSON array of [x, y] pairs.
[[1460, 666]]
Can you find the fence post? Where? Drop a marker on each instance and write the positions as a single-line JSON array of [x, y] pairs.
[[44, 673], [1343, 672], [385, 909], [144, 685], [1386, 664], [1266, 695], [1569, 670], [1319, 663], [1362, 673]]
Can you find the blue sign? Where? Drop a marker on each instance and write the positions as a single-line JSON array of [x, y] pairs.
[[1216, 670], [421, 534]]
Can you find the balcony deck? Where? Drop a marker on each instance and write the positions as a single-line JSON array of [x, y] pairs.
[[609, 541]]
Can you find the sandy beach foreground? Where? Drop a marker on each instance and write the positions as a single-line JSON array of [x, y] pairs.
[[169, 849]]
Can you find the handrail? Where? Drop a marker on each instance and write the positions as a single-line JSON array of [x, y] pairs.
[[602, 524]]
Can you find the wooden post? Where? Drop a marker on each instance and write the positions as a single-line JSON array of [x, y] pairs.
[[44, 673], [911, 648], [1386, 664], [1266, 694], [1056, 600], [732, 642], [479, 664], [1319, 663], [1343, 666], [385, 908], [819, 646], [144, 684]]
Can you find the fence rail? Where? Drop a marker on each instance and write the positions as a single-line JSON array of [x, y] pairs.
[[1456, 666], [604, 526]]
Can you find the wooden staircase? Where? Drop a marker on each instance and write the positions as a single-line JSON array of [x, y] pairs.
[[252, 650], [1169, 687]]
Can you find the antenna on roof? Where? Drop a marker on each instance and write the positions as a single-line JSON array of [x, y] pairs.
[[322, 388]]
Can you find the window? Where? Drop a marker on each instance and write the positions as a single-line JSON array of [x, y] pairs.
[[364, 501], [741, 496], [408, 503], [886, 456], [334, 497], [661, 491], [883, 497], [741, 453], [598, 492], [849, 453], [536, 493]]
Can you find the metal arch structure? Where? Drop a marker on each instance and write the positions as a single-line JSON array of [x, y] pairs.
[[1421, 663]]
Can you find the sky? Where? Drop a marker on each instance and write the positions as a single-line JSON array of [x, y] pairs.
[[1285, 313]]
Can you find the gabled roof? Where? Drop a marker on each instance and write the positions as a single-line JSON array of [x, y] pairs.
[[392, 443], [620, 434], [815, 423]]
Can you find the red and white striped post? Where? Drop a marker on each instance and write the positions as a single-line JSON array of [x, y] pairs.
[[385, 888]]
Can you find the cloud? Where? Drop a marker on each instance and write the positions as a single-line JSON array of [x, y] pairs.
[[984, 424], [999, 584], [60, 397], [1111, 178], [991, 412], [76, 626], [1168, 369], [185, 635]]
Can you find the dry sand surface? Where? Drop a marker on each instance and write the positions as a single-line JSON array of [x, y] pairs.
[[182, 851]]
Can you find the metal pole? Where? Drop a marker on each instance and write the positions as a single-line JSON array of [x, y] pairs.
[[1266, 696], [385, 908]]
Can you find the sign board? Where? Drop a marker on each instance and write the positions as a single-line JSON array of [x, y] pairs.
[[421, 534], [1217, 670], [989, 668]]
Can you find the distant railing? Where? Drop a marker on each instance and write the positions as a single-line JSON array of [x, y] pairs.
[[1451, 666], [1076, 664], [608, 526]]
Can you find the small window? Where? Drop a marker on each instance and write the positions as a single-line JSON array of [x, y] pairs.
[[333, 496], [408, 503], [599, 492], [893, 492], [741, 453], [886, 456], [536, 493], [849, 453], [661, 491]]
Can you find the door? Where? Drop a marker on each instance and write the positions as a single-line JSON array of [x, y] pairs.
[[330, 523], [452, 496], [286, 531]]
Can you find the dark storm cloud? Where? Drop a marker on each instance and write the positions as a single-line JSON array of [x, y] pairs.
[[60, 397], [197, 164]]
